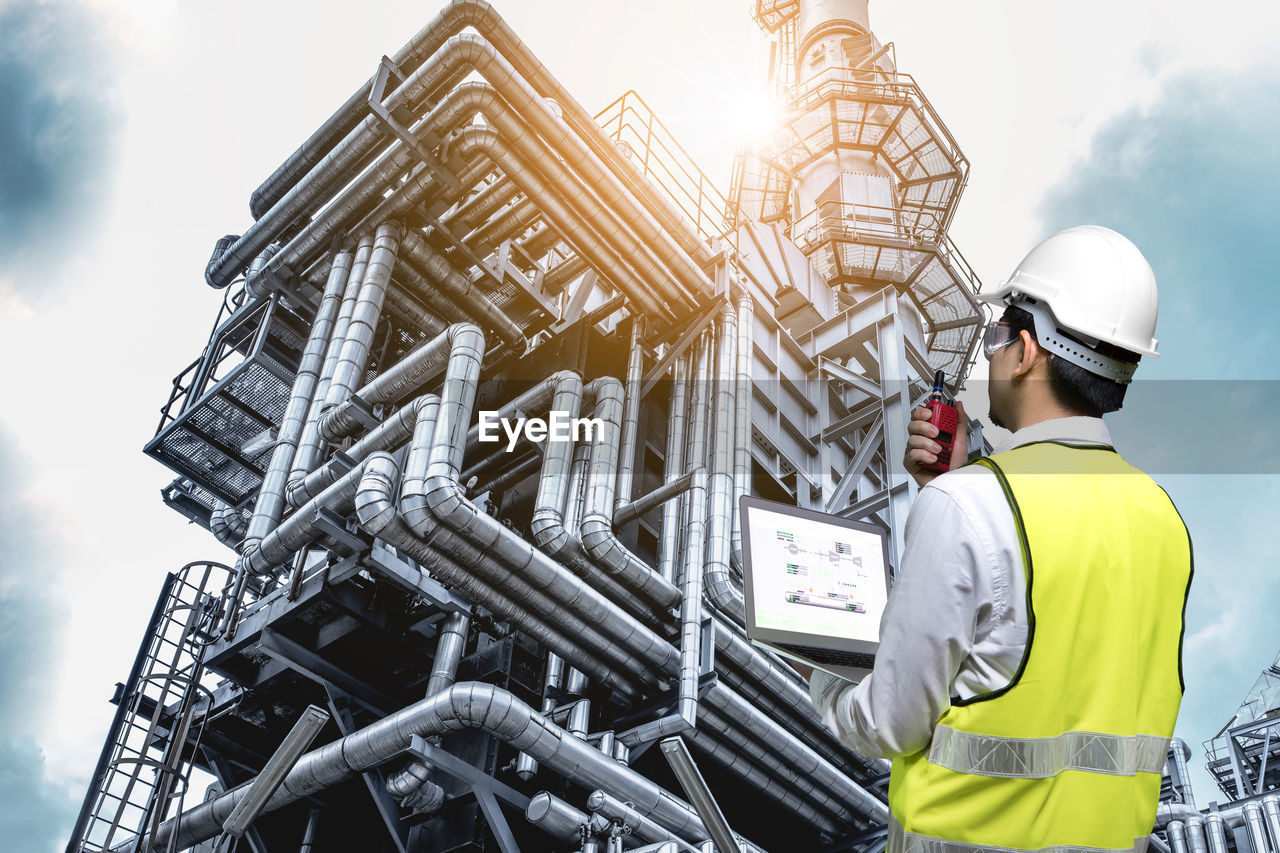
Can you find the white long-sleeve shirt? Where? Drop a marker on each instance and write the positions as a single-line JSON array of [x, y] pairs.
[[956, 622]]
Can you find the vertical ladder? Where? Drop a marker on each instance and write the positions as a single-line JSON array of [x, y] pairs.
[[141, 767]]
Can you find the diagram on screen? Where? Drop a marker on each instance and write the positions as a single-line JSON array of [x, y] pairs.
[[822, 572]]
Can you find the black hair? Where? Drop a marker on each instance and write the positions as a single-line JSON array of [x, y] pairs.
[[1076, 389]]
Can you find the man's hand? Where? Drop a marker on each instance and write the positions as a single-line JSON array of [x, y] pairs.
[[922, 449]]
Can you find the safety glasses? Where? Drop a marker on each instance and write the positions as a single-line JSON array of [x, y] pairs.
[[997, 336]]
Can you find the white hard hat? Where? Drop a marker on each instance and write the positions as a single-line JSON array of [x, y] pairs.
[[1097, 286]]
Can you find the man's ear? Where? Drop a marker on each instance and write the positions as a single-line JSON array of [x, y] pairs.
[[1031, 353]]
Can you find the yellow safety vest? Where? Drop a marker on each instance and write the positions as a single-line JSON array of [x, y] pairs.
[[1068, 755]]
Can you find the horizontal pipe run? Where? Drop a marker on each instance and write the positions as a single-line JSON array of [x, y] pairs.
[[467, 705], [556, 817], [667, 491]]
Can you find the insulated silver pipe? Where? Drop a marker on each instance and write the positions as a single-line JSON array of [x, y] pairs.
[[597, 523], [298, 530], [459, 108], [507, 225], [404, 377], [575, 149], [412, 786], [579, 715], [620, 214], [664, 494], [633, 823], [580, 210], [252, 285], [439, 496], [270, 504], [536, 399], [575, 682], [1181, 752], [630, 415], [1271, 811], [577, 488], [449, 649], [673, 469], [1196, 842], [1215, 831], [547, 526], [347, 158], [694, 527], [742, 418], [227, 525], [364, 319], [470, 705], [559, 276], [759, 773], [417, 285], [1167, 812], [719, 586], [479, 578], [311, 446], [413, 313], [487, 201], [1177, 833], [556, 817], [459, 287], [1256, 827], [390, 434], [445, 501], [765, 734], [588, 236], [794, 720], [526, 765], [361, 206], [481, 16], [540, 241]]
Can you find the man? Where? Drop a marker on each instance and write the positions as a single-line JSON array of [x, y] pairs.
[[1029, 673]]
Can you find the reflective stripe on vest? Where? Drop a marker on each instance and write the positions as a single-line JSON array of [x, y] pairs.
[[909, 842], [1067, 756], [1040, 758]]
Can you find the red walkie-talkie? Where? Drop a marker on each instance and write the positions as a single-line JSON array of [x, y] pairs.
[[947, 420]]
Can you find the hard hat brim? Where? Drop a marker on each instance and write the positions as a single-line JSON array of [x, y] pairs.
[[1000, 297]]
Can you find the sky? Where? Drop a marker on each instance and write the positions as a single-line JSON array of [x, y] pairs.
[[131, 134]]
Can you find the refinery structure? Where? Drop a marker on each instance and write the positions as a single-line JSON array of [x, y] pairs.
[[427, 640]]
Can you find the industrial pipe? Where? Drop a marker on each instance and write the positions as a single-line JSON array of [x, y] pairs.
[[597, 522], [470, 705], [742, 418], [673, 469], [481, 16], [630, 415], [480, 582], [547, 525], [719, 587], [270, 504], [556, 817], [311, 445]]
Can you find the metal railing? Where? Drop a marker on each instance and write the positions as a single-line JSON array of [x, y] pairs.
[[631, 122]]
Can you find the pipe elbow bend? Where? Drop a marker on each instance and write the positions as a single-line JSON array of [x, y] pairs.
[[444, 497], [416, 513], [548, 532]]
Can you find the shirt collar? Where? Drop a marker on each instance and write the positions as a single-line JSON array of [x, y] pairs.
[[1076, 430]]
